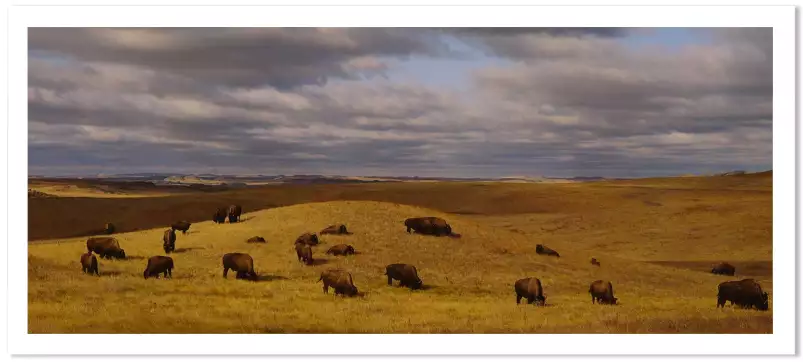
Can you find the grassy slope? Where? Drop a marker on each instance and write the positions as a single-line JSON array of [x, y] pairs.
[[471, 278]]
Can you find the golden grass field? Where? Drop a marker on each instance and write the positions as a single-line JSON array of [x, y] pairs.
[[656, 240]]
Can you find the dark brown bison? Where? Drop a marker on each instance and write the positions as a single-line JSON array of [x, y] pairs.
[[723, 269], [308, 239], [256, 239], [406, 274], [241, 263], [429, 226], [340, 280], [183, 226], [745, 293], [602, 291], [304, 253], [169, 241], [594, 261], [89, 263], [543, 250], [234, 213], [105, 246], [158, 265], [335, 230], [108, 228], [220, 215], [341, 249], [529, 288]]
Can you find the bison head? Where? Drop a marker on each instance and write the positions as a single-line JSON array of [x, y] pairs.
[[765, 302], [351, 291], [342, 229], [540, 300], [417, 284], [120, 254]]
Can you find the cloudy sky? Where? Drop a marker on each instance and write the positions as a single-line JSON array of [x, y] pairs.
[[400, 101]]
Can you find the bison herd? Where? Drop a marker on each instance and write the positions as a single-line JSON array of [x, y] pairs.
[[746, 293]]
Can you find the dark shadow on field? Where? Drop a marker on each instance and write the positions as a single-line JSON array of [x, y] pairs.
[[428, 287], [242, 219], [109, 273], [316, 262], [761, 269], [184, 250], [269, 278], [127, 257]]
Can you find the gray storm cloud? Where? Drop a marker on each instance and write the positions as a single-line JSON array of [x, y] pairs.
[[568, 102]]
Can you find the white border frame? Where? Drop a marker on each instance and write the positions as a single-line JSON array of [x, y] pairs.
[[781, 18]]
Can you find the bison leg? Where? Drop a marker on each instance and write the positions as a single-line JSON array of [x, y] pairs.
[[325, 288], [390, 280], [518, 298], [225, 271], [721, 302]]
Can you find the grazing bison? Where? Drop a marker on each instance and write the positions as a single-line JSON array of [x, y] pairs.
[[256, 239], [304, 253], [220, 216], [406, 274], [429, 226], [158, 265], [602, 291], [594, 261], [745, 293], [107, 247], [543, 250], [234, 213], [531, 289], [169, 241], [723, 269], [241, 263], [181, 225], [108, 228], [341, 249], [340, 280], [335, 230], [308, 239], [89, 263]]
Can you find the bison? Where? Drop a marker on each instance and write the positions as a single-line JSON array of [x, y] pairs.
[[108, 228], [341, 249], [241, 263], [169, 241], [745, 293], [256, 239], [594, 261], [220, 216], [304, 253], [429, 226], [89, 263], [531, 289], [335, 230], [406, 274], [308, 239], [107, 247], [723, 269], [340, 280], [158, 265], [543, 250], [181, 225], [602, 291], [234, 213]]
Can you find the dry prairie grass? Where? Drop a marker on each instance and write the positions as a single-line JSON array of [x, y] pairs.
[[469, 280]]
